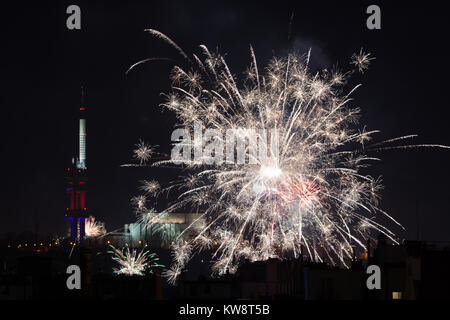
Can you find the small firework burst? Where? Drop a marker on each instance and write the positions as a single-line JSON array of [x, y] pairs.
[[143, 152], [139, 203], [311, 199], [131, 262], [172, 274], [361, 60], [94, 228]]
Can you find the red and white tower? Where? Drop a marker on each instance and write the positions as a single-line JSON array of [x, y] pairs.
[[76, 182]]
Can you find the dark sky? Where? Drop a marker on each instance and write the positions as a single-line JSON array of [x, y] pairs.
[[43, 66]]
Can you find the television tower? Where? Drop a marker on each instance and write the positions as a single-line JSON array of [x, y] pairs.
[[76, 182]]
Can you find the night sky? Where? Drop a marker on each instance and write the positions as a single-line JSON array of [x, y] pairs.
[[43, 65]]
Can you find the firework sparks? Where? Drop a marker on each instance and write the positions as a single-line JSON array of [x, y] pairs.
[[143, 152], [132, 262], [94, 228], [361, 60], [311, 199], [150, 187]]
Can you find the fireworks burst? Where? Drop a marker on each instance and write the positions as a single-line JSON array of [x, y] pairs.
[[133, 262], [361, 60], [94, 228], [150, 187], [311, 199]]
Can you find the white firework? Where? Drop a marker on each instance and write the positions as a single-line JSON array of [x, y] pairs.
[[132, 262], [139, 203], [150, 187], [94, 228], [361, 60], [143, 152], [311, 199]]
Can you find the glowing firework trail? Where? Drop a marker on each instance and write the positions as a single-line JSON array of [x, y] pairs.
[[94, 228], [311, 199], [132, 262]]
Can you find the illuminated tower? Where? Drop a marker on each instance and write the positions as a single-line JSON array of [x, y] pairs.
[[76, 182]]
